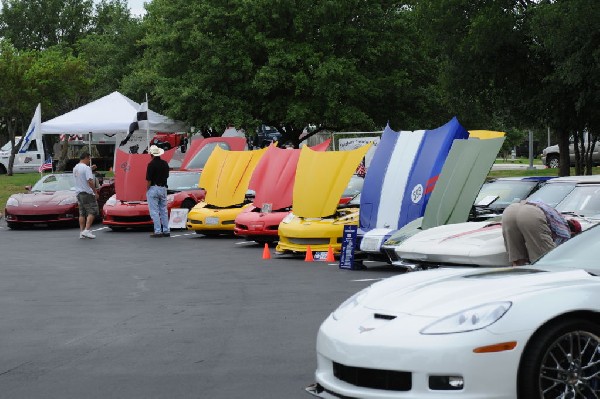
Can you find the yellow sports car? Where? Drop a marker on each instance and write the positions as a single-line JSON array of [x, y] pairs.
[[317, 219], [209, 220], [225, 178]]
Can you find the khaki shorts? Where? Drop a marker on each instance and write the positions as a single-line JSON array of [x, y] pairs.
[[87, 204]]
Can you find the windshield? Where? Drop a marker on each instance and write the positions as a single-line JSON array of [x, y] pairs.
[[183, 181], [354, 186], [201, 157], [508, 191], [580, 252], [54, 183], [552, 193], [583, 200]]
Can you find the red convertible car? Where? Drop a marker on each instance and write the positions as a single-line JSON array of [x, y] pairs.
[[183, 192], [51, 201]]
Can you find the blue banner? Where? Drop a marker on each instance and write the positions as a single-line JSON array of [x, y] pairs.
[[348, 244]]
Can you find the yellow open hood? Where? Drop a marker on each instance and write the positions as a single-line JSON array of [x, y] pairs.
[[321, 178], [226, 175], [485, 134]]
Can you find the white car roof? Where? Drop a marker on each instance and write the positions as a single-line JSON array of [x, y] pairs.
[[576, 179]]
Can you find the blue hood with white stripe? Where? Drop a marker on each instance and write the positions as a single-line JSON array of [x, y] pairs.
[[403, 173]]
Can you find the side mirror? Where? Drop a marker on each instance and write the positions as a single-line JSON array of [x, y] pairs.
[[27, 188]]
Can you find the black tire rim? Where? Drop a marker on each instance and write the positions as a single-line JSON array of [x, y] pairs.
[[570, 367]]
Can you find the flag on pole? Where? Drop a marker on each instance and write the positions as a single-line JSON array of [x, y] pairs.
[[47, 165], [361, 170], [140, 122], [33, 131]]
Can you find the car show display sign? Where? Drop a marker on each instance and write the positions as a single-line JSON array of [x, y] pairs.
[[348, 244], [178, 218]]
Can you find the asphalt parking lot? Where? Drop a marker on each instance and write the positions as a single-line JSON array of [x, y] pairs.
[[129, 316]]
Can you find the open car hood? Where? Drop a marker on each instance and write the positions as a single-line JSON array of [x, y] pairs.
[[273, 177], [403, 173], [321, 178], [226, 175], [462, 176]]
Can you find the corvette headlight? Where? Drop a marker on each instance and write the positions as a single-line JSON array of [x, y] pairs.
[[350, 304], [288, 218], [469, 320], [68, 201], [170, 198], [112, 201], [12, 202]]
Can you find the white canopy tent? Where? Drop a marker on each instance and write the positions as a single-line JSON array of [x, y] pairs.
[[108, 115]]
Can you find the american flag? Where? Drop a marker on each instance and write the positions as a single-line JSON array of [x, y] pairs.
[[47, 165], [361, 170]]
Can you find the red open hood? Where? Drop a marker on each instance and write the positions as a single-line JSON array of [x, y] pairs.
[[273, 178], [130, 176]]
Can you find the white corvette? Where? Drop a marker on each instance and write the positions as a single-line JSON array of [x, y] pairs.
[[481, 243], [495, 333]]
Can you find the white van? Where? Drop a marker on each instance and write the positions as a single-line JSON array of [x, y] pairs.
[[25, 162]]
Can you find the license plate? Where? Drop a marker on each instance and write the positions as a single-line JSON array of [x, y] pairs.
[[370, 244], [211, 221]]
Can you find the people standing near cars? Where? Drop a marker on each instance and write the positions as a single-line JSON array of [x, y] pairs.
[[87, 195], [533, 228], [157, 174]]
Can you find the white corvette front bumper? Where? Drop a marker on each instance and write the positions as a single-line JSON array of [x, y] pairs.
[[383, 361]]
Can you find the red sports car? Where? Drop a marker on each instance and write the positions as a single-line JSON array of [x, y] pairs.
[[262, 227], [183, 192], [52, 200]]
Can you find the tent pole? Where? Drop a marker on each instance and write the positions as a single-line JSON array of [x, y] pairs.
[[147, 127]]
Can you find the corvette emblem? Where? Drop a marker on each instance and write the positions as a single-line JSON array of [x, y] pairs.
[[362, 329]]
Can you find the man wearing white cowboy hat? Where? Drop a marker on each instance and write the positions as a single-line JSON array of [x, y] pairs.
[[157, 174]]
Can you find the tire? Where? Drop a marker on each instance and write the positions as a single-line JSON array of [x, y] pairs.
[[553, 161], [561, 362]]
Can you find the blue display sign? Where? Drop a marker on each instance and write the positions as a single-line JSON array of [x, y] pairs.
[[348, 244]]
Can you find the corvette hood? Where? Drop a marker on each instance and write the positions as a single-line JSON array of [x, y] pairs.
[[462, 176], [321, 178], [45, 198], [227, 174], [403, 173], [273, 177], [442, 292]]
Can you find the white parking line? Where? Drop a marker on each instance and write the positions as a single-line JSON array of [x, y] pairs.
[[367, 279], [100, 228], [182, 235], [245, 242]]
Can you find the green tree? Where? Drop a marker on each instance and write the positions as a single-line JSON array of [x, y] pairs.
[[53, 78], [111, 49], [571, 93], [40, 24], [290, 64]]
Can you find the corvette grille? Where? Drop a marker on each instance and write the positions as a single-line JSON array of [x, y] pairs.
[[132, 219], [387, 380], [309, 241], [36, 218], [391, 254]]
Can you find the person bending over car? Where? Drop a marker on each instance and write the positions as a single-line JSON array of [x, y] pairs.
[[533, 228]]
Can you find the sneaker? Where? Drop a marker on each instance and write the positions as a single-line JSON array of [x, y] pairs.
[[166, 234], [87, 234], [81, 235]]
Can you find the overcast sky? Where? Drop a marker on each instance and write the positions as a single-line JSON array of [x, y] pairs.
[[137, 6]]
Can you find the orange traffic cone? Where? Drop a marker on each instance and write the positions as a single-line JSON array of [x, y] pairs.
[[330, 257], [266, 252], [309, 255]]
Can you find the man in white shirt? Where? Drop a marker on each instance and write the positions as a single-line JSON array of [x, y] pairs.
[[87, 195]]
